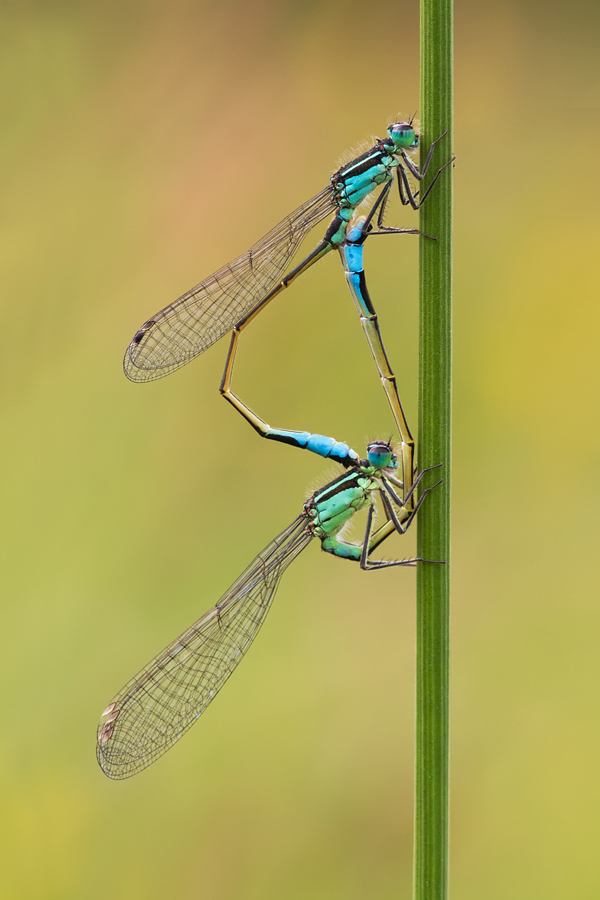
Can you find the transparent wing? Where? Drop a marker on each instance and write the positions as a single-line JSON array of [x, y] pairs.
[[156, 707], [185, 328]]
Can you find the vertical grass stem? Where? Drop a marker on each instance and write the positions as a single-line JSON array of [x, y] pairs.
[[433, 538]]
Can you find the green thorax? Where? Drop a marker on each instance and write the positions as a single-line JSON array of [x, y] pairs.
[[357, 179], [331, 507]]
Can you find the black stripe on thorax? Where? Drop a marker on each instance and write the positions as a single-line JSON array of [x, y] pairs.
[[345, 481], [363, 163]]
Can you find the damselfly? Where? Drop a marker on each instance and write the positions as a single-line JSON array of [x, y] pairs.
[[162, 701], [234, 294]]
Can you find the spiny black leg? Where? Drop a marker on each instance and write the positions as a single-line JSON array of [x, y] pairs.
[[415, 483], [386, 564], [403, 198], [390, 490], [364, 556], [420, 173], [386, 229], [383, 206], [387, 515], [389, 230], [433, 181], [382, 563], [410, 198], [404, 189], [378, 205], [392, 514], [402, 503], [420, 501]]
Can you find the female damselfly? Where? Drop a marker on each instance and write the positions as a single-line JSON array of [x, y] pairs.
[[158, 705]]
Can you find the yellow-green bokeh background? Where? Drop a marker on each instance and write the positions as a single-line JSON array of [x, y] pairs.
[[143, 144]]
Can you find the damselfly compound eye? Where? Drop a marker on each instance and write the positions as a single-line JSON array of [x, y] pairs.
[[381, 455], [403, 135]]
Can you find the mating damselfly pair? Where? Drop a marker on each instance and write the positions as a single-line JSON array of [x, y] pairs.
[[161, 702]]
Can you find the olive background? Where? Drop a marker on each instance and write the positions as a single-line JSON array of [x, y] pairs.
[[143, 145]]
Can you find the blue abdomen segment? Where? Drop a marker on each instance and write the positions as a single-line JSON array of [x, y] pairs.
[[355, 275], [353, 252], [326, 447]]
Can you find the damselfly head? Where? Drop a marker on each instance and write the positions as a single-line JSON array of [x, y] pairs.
[[403, 135], [381, 455]]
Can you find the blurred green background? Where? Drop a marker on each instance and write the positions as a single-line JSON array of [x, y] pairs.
[[143, 145]]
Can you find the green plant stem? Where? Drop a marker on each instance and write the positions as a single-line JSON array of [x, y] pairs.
[[433, 533]]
